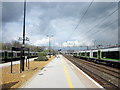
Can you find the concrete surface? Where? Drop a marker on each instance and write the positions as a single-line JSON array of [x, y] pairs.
[[60, 73]]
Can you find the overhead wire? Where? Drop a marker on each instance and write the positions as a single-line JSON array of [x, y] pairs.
[[84, 14], [102, 21], [81, 19], [98, 31], [96, 24]]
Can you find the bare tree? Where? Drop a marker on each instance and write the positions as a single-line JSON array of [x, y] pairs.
[[16, 44]]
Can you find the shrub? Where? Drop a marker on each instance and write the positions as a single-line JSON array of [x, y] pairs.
[[41, 57]]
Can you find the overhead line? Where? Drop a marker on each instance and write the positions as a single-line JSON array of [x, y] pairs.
[[84, 14], [105, 29], [102, 20], [98, 31], [81, 18]]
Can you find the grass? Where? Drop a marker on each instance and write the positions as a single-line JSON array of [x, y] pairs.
[[17, 79]]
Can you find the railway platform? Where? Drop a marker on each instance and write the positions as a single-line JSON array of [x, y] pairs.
[[61, 73]]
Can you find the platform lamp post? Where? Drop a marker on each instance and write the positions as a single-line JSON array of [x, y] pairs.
[[49, 45], [23, 39], [22, 62], [23, 46]]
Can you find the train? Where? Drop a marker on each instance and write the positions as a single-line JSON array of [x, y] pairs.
[[109, 56], [6, 55]]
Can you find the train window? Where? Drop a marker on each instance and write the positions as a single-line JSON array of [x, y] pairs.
[[88, 53], [75, 54], [83, 54], [18, 54], [111, 54], [10, 54], [15, 54], [5, 53], [25, 54], [104, 54], [94, 54], [2, 54]]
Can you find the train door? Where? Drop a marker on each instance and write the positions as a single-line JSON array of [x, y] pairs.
[[5, 55], [99, 54], [91, 54]]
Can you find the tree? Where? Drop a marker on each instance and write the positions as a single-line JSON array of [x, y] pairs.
[[5, 46], [16, 44]]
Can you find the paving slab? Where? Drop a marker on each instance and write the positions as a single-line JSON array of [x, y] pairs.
[[59, 73]]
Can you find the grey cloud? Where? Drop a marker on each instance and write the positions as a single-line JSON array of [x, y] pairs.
[[97, 14], [100, 11], [112, 24], [11, 11], [54, 10]]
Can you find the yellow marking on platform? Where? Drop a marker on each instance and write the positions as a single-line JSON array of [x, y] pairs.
[[67, 76]]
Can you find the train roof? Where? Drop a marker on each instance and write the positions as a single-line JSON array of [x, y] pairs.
[[110, 49], [15, 51], [102, 49], [5, 50]]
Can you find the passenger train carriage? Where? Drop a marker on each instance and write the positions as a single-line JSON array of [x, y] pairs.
[[6, 55], [109, 55]]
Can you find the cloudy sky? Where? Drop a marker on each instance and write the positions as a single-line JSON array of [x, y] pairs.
[[99, 24]]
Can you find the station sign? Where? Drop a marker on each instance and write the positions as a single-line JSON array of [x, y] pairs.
[[19, 49]]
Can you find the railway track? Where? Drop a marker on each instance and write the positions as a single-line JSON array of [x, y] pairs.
[[110, 71], [108, 77], [115, 70]]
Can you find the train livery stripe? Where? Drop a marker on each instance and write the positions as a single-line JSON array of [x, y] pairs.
[[110, 59], [95, 57]]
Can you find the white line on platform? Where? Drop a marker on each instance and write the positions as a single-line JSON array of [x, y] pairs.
[[72, 67], [85, 74], [14, 63]]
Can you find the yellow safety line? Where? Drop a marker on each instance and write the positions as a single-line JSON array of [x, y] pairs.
[[67, 76]]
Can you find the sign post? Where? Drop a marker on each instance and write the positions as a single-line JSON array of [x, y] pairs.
[[11, 59], [28, 58], [21, 57]]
